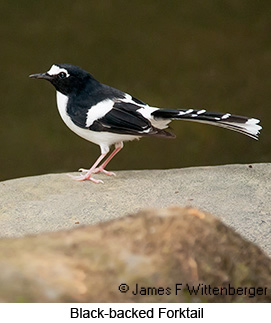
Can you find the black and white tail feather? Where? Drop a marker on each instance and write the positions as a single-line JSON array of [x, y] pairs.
[[244, 125], [126, 115]]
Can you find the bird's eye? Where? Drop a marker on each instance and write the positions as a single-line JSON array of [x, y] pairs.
[[62, 75]]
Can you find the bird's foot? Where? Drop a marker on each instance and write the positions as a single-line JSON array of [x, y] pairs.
[[98, 170], [102, 170], [88, 174], [85, 177]]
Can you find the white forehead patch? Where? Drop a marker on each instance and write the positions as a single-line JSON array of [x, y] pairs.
[[54, 70]]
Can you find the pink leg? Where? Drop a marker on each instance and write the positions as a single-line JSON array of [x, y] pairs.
[[90, 171], [118, 147], [101, 168]]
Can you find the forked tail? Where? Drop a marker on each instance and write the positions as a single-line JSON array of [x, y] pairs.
[[244, 125]]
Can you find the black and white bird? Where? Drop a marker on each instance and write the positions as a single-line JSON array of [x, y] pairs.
[[107, 116]]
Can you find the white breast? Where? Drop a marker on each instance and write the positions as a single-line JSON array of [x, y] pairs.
[[99, 138], [62, 101]]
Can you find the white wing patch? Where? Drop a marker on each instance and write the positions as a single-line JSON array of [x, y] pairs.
[[128, 99], [98, 111], [54, 70], [99, 138]]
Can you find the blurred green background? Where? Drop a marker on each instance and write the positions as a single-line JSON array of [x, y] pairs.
[[212, 54]]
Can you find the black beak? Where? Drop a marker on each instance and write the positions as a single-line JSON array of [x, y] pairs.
[[44, 76]]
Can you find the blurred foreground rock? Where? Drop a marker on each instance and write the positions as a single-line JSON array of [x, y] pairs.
[[155, 249]]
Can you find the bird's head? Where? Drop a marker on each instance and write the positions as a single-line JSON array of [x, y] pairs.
[[66, 78]]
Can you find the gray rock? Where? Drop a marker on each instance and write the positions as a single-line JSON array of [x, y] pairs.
[[155, 249], [238, 194]]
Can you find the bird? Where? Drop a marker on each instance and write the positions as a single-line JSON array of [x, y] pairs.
[[107, 116]]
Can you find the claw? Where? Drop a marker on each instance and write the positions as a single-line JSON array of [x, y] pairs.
[[109, 173], [97, 170], [84, 177], [96, 181], [102, 170], [83, 170]]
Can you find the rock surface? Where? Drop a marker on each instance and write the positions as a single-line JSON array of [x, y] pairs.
[[165, 251], [240, 195]]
